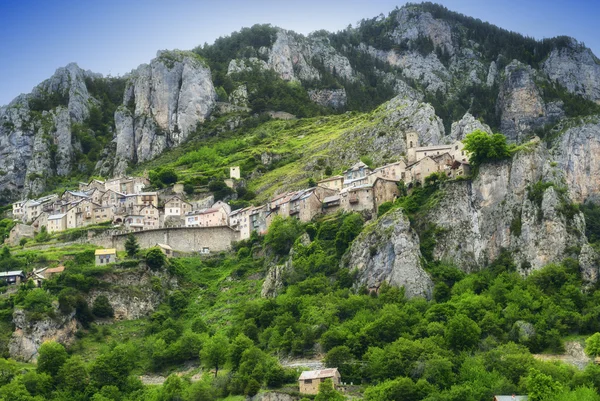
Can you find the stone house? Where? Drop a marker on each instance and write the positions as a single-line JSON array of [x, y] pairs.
[[57, 222], [105, 256], [166, 250], [31, 210], [384, 190], [393, 171], [309, 380], [151, 217], [176, 206], [13, 277], [221, 204], [84, 213], [95, 195], [421, 169], [74, 196], [511, 397], [460, 169], [102, 214], [239, 220], [112, 198], [358, 199], [357, 175], [305, 204], [19, 232], [258, 219], [278, 206], [134, 222], [331, 204], [17, 209], [40, 221], [93, 184], [336, 182], [213, 217], [72, 217]]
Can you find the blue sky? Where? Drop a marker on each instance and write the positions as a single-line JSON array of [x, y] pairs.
[[113, 37]]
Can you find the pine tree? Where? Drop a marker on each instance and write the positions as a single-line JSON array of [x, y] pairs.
[[131, 246]]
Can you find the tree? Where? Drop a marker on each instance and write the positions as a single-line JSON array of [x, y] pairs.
[[73, 375], [239, 345], [131, 246], [328, 393], [462, 333], [541, 386], [484, 147], [282, 234], [155, 259], [51, 358], [102, 308], [215, 352], [592, 345]]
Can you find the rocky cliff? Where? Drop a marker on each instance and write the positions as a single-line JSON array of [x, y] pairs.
[[164, 101], [389, 252], [36, 141], [30, 335]]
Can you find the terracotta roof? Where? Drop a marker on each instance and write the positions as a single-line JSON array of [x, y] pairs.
[[58, 269], [318, 374]]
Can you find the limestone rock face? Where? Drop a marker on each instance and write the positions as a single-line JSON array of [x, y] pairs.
[[334, 98], [412, 24], [239, 97], [36, 145], [576, 68], [29, 335], [577, 154], [465, 126], [520, 104], [495, 212], [389, 252], [163, 103], [131, 293]]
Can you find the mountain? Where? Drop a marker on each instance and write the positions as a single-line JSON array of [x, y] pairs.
[[78, 123]]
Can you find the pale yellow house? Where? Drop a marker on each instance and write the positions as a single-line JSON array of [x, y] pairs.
[[310, 379]]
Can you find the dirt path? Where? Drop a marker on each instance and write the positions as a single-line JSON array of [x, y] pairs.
[[574, 355]]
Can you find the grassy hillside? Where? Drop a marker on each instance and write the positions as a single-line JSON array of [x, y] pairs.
[[476, 338]]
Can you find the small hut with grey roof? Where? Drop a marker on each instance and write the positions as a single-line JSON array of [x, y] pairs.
[[310, 379]]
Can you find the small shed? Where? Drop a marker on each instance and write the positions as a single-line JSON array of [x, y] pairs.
[[105, 256], [310, 379], [13, 277], [167, 250], [510, 397]]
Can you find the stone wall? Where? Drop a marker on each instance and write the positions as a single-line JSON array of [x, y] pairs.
[[183, 239]]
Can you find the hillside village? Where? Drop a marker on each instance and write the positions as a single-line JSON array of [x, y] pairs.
[[125, 203]]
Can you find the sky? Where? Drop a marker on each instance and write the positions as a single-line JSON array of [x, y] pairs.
[[113, 37]]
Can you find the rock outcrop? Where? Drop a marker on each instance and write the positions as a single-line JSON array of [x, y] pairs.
[[333, 98], [520, 104], [132, 293], [36, 140], [499, 210], [29, 335], [576, 68], [465, 126], [389, 252], [163, 103], [577, 155]]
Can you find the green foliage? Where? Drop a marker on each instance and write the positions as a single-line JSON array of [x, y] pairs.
[[51, 358], [592, 345], [102, 307], [155, 259], [541, 386], [591, 211], [328, 393], [485, 148], [282, 234], [5, 226], [462, 333], [163, 176], [131, 246], [215, 352]]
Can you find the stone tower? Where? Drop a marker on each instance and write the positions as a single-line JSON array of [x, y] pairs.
[[412, 143]]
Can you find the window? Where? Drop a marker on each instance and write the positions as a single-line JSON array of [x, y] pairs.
[[308, 381]]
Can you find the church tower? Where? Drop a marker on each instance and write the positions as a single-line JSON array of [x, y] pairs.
[[412, 143]]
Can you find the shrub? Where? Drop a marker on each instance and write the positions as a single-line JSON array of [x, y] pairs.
[[155, 259], [102, 308]]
